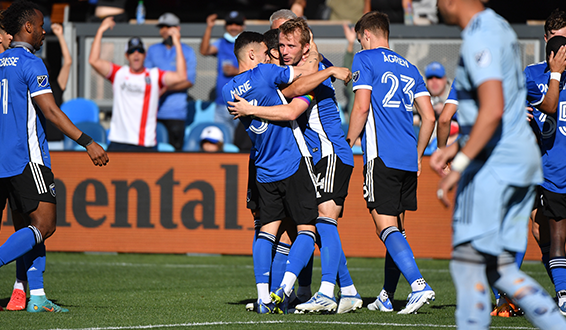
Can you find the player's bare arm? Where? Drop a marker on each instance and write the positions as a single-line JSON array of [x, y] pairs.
[[424, 106], [47, 104], [556, 63], [305, 84], [101, 66], [444, 121], [359, 115], [282, 112]]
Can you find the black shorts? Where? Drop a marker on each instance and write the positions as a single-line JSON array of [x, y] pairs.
[[387, 190], [553, 204], [333, 178], [252, 198], [25, 191], [293, 197]]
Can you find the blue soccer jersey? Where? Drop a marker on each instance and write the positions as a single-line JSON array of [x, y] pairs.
[[394, 84], [279, 145], [552, 127], [324, 135], [23, 76], [512, 151]]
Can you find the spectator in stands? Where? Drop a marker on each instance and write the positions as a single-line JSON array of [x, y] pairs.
[[136, 91], [58, 86], [438, 86], [281, 16], [173, 102], [227, 66], [211, 139]]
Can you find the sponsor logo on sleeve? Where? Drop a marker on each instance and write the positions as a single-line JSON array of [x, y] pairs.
[[356, 76]]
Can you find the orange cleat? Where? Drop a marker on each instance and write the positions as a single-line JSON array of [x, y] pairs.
[[17, 301]]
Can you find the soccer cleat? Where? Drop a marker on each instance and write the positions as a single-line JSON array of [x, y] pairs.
[[318, 303], [417, 299], [281, 300], [265, 308], [17, 301], [383, 303], [506, 308], [42, 304], [561, 296], [251, 307], [349, 304]]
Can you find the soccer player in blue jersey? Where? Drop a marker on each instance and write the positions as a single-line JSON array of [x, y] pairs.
[[496, 167], [285, 178], [333, 164], [546, 93], [386, 87], [26, 179]]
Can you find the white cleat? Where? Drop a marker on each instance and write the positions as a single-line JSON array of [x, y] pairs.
[[349, 304], [318, 303], [417, 299]]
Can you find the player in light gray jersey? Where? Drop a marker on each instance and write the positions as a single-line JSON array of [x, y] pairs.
[[496, 166]]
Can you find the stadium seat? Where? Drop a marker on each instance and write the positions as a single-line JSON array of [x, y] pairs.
[[203, 111], [162, 133], [229, 147], [94, 130], [192, 135], [80, 109], [165, 147]]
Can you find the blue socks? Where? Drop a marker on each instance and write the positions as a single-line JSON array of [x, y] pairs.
[[301, 252], [262, 256], [35, 261], [279, 264], [18, 244], [558, 271], [401, 253], [330, 248]]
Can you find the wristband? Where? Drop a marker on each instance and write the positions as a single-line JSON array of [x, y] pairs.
[[555, 76], [85, 140], [460, 162]]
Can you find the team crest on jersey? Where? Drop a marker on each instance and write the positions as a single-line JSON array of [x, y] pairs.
[[483, 58], [52, 189], [356, 76], [42, 80]]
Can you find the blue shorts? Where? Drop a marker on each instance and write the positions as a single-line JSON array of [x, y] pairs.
[[491, 214]]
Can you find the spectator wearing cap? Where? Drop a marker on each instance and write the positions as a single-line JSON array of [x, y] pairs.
[[173, 100], [437, 85], [227, 67], [136, 91], [211, 139]]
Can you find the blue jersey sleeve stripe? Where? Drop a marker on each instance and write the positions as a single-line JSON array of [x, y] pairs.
[[422, 94], [451, 102], [291, 74], [539, 101]]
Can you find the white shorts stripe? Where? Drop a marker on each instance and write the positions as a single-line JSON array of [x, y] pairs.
[[38, 178]]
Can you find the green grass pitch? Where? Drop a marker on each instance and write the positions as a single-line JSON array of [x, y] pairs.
[[154, 291]]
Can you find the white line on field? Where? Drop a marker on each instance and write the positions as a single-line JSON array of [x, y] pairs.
[[129, 264], [200, 324]]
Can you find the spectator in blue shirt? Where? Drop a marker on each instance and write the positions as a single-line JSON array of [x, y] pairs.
[[227, 67], [173, 103]]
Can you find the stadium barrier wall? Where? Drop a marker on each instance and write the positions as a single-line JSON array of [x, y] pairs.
[[196, 203]]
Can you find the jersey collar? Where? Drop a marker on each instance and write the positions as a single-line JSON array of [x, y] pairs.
[[22, 44]]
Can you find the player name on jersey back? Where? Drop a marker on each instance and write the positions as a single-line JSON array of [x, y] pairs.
[[9, 61], [241, 89], [395, 59]]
